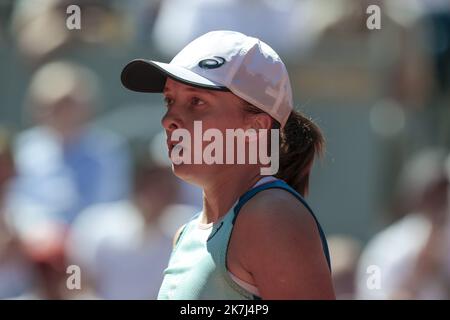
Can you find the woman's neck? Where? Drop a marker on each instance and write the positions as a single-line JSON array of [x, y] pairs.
[[223, 193]]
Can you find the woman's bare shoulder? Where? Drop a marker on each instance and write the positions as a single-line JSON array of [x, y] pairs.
[[277, 235], [276, 205]]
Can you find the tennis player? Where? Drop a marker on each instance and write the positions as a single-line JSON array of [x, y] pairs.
[[256, 237]]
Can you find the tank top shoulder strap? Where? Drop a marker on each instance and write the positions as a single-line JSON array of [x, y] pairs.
[[185, 227], [280, 184]]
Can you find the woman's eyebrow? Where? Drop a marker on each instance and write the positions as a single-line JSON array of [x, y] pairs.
[[192, 90]]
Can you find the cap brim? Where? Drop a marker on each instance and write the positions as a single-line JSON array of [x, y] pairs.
[[150, 76]]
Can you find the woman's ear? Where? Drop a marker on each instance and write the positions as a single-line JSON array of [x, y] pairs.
[[256, 122], [261, 121]]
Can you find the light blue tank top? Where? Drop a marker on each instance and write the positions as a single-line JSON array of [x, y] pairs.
[[197, 266]]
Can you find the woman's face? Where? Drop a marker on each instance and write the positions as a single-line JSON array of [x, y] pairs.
[[215, 109]]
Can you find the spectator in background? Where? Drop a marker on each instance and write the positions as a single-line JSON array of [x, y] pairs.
[[350, 64], [15, 272], [40, 31], [31, 265], [64, 164], [411, 254], [197, 17]]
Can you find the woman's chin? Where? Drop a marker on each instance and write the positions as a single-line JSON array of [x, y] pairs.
[[183, 171]]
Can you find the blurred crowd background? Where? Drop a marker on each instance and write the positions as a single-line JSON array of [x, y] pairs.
[[84, 174]]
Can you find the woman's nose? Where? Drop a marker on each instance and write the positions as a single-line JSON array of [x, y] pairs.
[[171, 120]]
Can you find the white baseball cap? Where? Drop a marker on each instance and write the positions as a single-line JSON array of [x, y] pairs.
[[221, 60]]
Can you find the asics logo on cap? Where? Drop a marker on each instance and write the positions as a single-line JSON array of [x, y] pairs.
[[211, 63]]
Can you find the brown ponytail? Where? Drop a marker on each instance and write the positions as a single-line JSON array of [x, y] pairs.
[[301, 140]]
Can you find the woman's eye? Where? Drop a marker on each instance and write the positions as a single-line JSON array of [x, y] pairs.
[[168, 101], [197, 101]]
